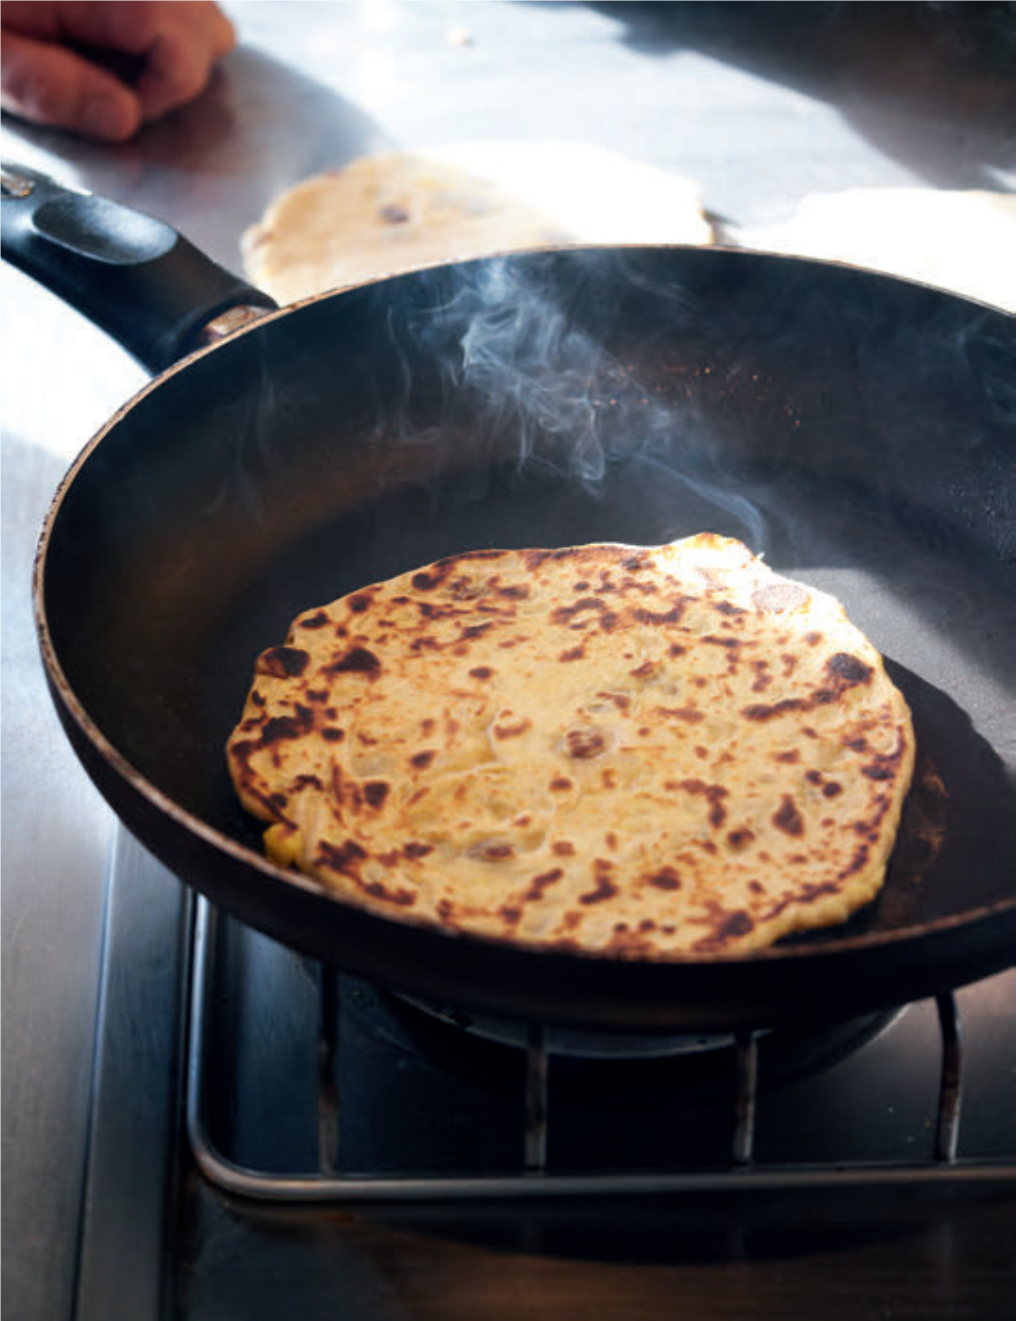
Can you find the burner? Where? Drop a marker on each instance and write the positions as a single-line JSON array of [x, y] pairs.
[[474, 1044], [628, 1098], [578, 1042]]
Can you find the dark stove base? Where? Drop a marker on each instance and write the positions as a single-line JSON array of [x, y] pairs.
[[941, 1255]]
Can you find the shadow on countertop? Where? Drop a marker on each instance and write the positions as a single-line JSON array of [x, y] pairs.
[[931, 85]]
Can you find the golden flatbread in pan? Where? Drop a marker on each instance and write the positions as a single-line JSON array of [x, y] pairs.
[[646, 752]]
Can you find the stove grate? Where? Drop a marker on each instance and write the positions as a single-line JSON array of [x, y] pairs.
[[328, 1180]]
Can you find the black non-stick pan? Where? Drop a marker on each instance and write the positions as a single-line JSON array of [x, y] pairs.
[[857, 430]]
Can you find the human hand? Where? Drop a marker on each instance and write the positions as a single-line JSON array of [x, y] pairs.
[[58, 60]]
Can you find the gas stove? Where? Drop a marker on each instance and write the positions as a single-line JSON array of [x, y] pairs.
[[257, 1114]]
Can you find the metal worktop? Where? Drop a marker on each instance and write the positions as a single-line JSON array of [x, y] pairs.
[[759, 104]]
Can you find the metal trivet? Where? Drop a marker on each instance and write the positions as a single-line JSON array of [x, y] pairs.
[[330, 1182]]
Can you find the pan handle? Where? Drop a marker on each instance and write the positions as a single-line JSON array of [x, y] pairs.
[[132, 275]]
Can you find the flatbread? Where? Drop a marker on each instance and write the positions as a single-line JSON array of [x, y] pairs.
[[643, 752], [402, 210], [963, 240]]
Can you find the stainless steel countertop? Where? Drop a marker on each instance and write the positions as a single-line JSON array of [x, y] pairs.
[[759, 104]]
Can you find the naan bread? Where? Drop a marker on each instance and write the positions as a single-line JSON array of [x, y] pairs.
[[639, 751], [401, 210]]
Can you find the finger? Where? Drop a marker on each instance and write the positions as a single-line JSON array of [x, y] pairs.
[[220, 34], [49, 84], [175, 71], [137, 26], [126, 27], [131, 28], [180, 60]]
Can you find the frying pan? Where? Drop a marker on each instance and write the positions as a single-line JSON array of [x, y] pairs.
[[856, 429]]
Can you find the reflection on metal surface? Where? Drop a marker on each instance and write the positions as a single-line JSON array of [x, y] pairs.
[[947, 1131], [229, 323], [13, 184]]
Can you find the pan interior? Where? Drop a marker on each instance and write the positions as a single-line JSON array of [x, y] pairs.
[[855, 431]]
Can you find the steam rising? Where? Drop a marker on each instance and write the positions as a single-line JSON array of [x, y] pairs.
[[540, 374]]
